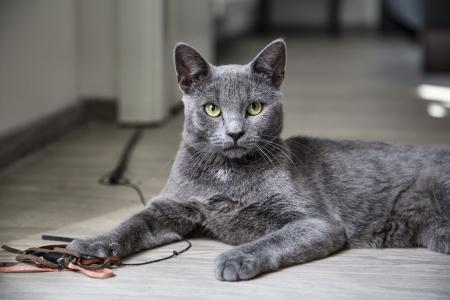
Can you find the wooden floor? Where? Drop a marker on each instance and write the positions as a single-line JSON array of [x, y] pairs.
[[357, 87]]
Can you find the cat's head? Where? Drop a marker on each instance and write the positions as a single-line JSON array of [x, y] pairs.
[[229, 109]]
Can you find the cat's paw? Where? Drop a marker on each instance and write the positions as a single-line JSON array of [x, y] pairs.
[[95, 247], [236, 265]]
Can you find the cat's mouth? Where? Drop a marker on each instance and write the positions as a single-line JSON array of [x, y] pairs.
[[235, 151]]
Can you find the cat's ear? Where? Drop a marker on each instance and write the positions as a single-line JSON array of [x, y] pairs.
[[271, 61], [189, 65]]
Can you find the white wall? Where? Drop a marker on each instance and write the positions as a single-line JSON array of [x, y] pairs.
[[38, 62], [97, 48], [141, 61]]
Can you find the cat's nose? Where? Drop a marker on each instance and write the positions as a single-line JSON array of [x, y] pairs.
[[236, 135]]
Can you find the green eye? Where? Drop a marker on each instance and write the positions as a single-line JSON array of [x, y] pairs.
[[254, 108], [212, 110]]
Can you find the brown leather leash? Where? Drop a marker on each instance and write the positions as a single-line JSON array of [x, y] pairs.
[[56, 258]]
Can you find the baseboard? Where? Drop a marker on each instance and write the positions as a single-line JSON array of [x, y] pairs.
[[103, 110], [35, 136], [29, 139], [174, 110]]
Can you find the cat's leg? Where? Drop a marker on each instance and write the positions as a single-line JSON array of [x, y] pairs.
[[161, 222], [295, 243], [437, 237], [436, 232], [440, 243]]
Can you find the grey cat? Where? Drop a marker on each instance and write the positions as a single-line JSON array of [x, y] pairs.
[[282, 202]]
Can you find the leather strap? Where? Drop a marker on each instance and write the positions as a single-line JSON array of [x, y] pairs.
[[36, 259], [102, 273], [87, 262], [67, 251], [95, 267], [12, 250], [15, 267], [55, 258]]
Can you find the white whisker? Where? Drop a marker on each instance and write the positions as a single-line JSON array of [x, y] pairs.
[[261, 150], [163, 168], [200, 156], [298, 143], [280, 148], [285, 148], [270, 152]]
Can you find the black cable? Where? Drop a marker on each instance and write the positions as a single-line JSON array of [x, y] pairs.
[[116, 177], [175, 253], [57, 238], [123, 181], [117, 173]]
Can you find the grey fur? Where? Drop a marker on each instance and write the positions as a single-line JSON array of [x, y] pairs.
[[282, 202]]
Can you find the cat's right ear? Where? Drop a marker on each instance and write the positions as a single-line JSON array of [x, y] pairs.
[[271, 61], [189, 65]]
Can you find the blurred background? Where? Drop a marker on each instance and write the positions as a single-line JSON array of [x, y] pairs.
[[356, 68]]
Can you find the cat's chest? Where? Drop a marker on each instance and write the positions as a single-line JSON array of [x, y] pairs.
[[239, 207], [223, 175], [232, 177], [240, 183], [236, 183]]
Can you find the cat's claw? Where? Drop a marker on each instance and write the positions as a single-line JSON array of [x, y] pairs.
[[93, 247], [236, 265]]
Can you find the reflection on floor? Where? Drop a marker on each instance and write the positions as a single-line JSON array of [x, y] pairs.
[[357, 87]]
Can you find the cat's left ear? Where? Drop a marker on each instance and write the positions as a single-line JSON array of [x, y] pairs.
[[189, 65], [271, 61]]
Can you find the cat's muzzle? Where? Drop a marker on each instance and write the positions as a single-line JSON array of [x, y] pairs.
[[235, 151]]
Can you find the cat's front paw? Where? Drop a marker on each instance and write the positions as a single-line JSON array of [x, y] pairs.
[[95, 247], [236, 265]]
